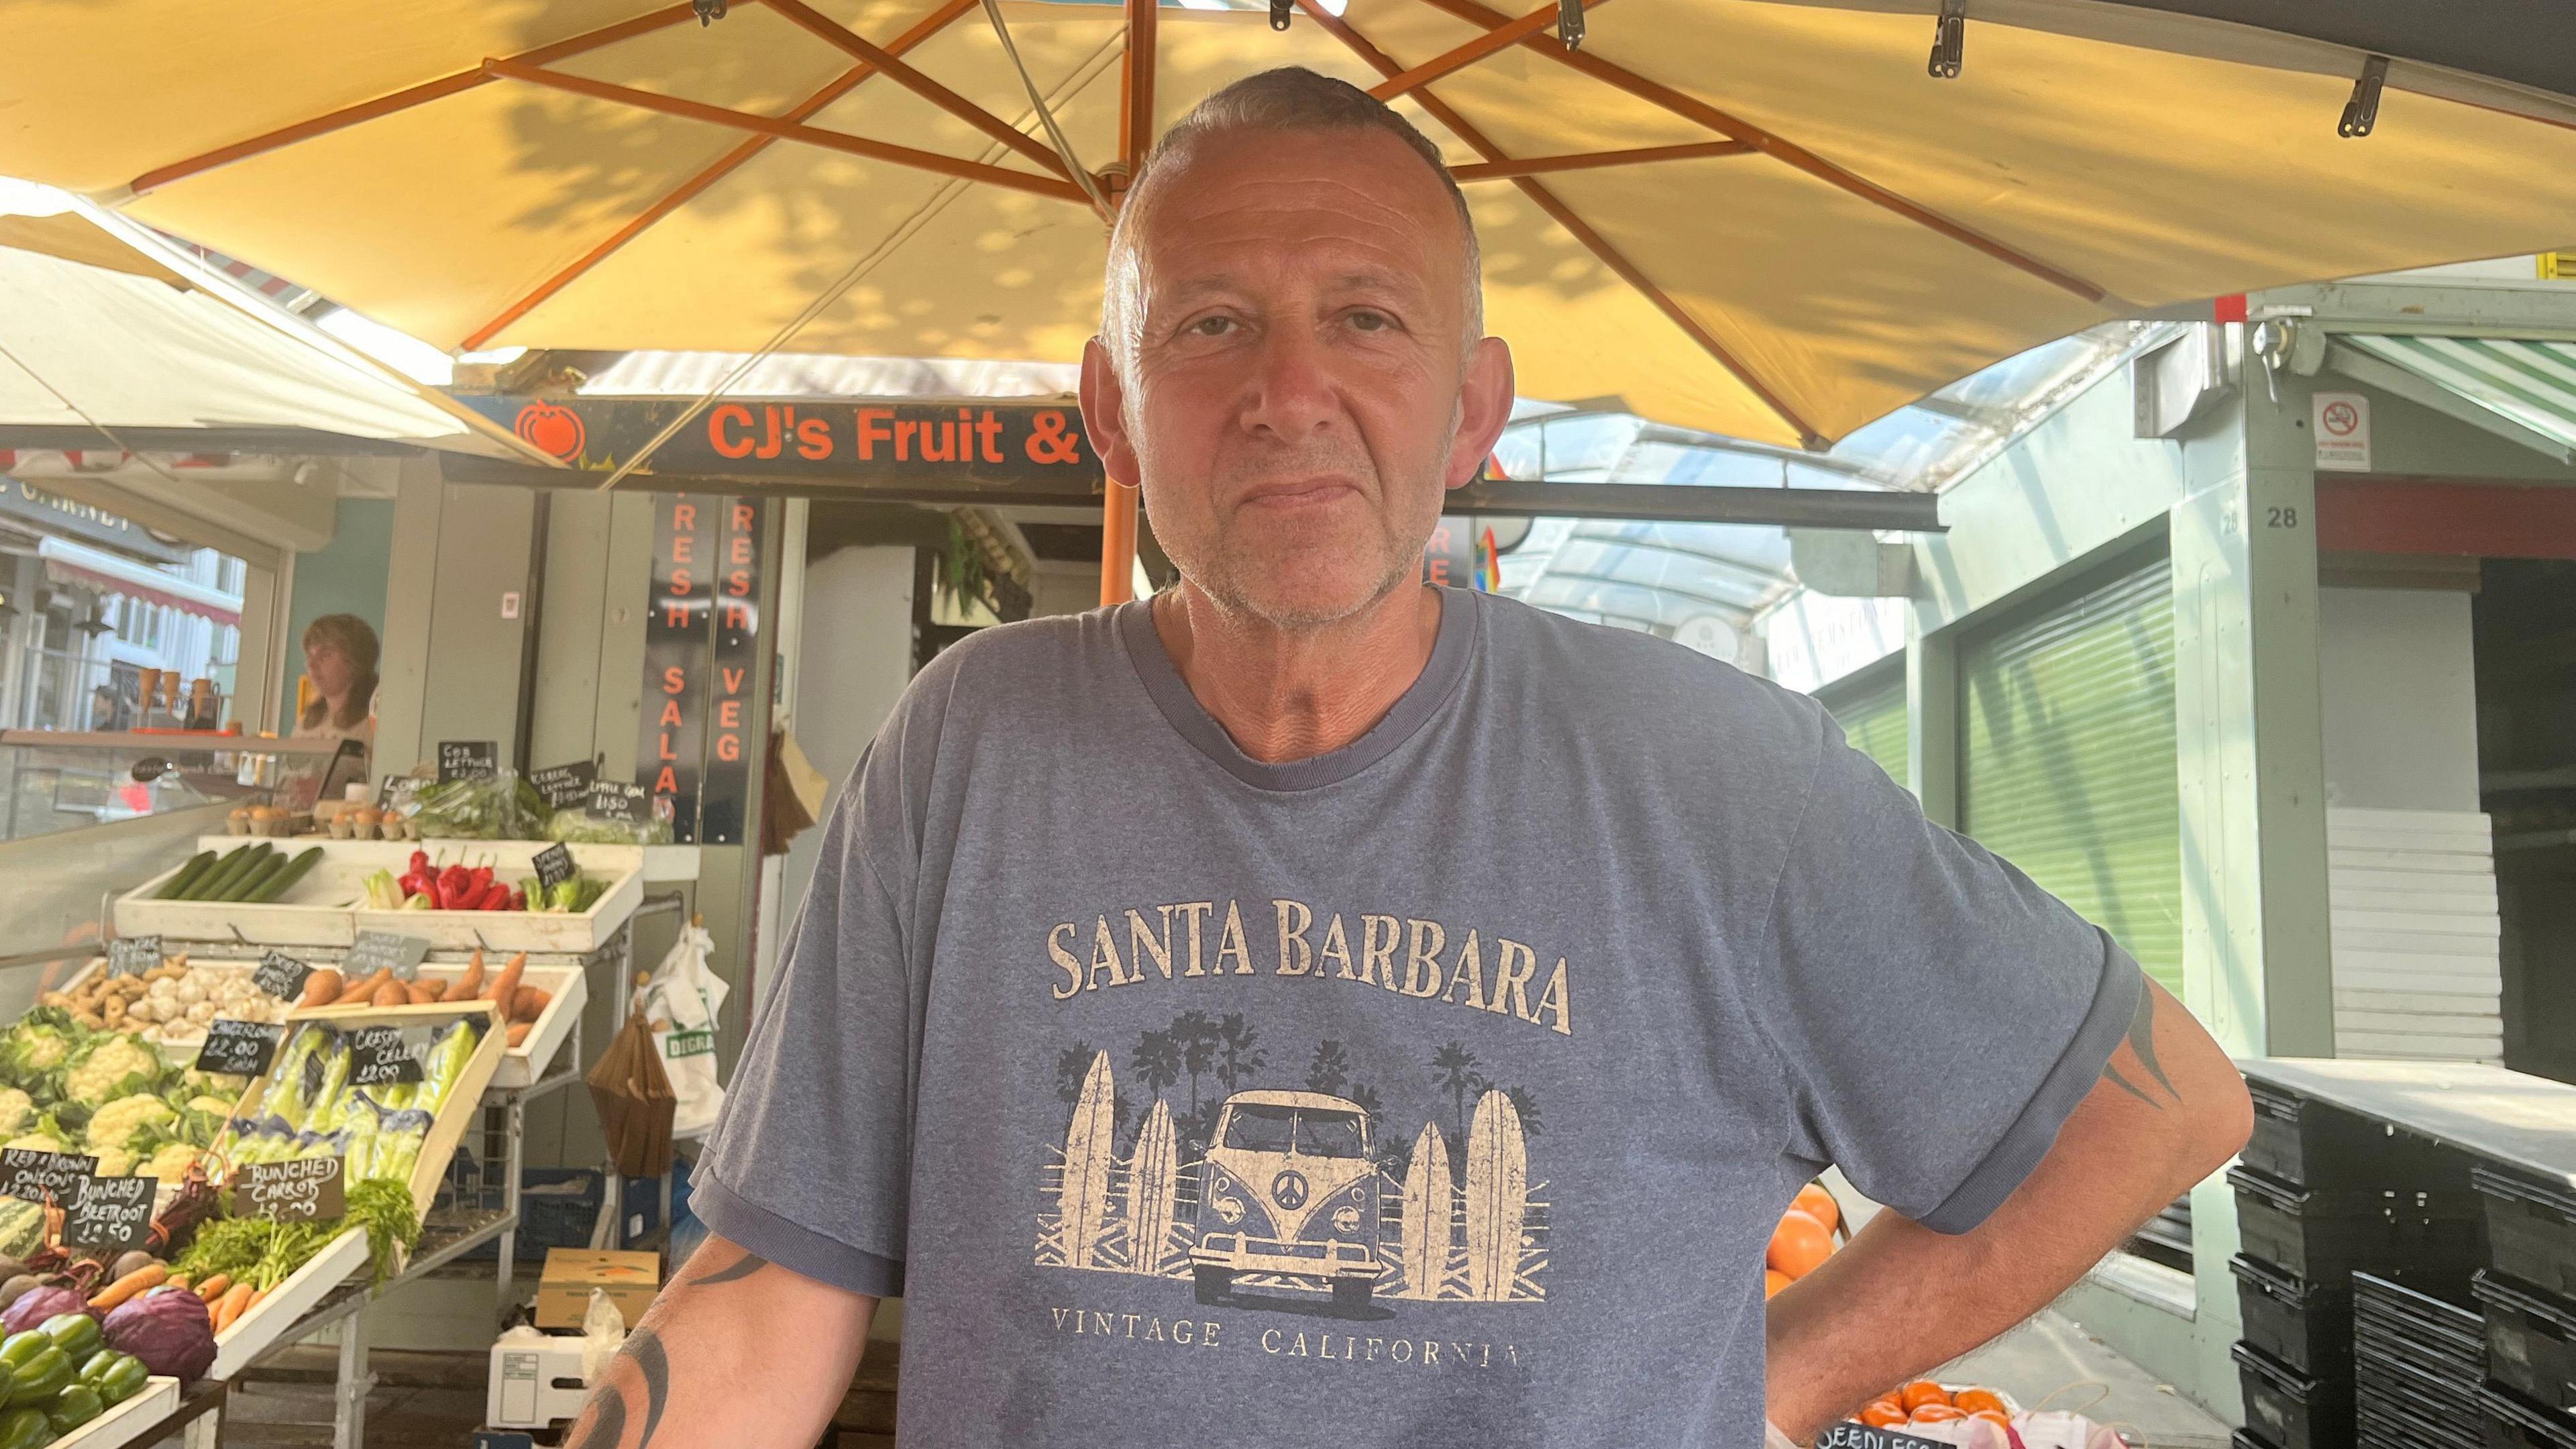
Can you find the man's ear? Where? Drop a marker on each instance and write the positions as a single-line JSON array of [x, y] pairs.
[[1484, 407], [1104, 413]]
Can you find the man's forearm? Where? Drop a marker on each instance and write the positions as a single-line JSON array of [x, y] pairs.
[[1900, 1299], [736, 1351]]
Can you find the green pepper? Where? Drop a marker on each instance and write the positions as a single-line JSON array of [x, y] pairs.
[[25, 1429], [76, 1334], [40, 1378], [121, 1382], [74, 1407], [17, 1348], [96, 1364]]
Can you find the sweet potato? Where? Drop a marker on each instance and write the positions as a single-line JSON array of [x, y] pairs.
[[528, 1003], [421, 993], [320, 989], [518, 1033], [365, 991], [505, 987], [392, 993], [470, 985]]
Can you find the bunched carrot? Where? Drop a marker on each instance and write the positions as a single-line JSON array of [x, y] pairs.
[[213, 1288], [232, 1305], [149, 1275]]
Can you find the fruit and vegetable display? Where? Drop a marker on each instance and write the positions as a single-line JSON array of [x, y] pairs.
[[520, 1004], [168, 1005], [109, 1094], [258, 873], [456, 886]]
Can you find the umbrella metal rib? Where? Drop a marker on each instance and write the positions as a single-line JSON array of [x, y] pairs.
[[919, 160], [1473, 51], [1592, 160], [1690, 108], [1563, 216], [833, 33]]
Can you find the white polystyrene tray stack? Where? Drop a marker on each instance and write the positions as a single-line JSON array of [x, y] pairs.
[[2418, 972], [128, 1421]]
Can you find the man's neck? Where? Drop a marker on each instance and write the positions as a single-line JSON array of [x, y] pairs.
[[1291, 695]]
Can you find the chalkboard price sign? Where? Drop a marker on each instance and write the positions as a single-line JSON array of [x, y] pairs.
[[621, 800], [565, 786], [133, 955], [379, 1054], [303, 1190], [554, 866], [239, 1048], [280, 975], [32, 1176], [111, 1214], [1861, 1436], [375, 951], [468, 760], [396, 792]]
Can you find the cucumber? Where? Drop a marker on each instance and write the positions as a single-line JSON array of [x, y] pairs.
[[221, 878], [281, 882], [186, 877], [246, 887], [206, 877]]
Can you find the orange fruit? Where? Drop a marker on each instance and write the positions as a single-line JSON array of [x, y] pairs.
[[1921, 1392], [1882, 1415], [1819, 1204], [1974, 1400], [1996, 1417], [1773, 1280], [1799, 1245], [1936, 1414]]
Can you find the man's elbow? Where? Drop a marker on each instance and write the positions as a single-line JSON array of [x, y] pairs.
[[2221, 1119]]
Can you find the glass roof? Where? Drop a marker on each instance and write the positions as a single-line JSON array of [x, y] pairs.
[[1667, 577]]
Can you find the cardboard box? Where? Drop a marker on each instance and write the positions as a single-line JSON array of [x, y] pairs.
[[534, 1382], [563, 1293]]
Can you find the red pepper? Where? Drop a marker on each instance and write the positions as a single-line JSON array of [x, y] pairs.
[[518, 899], [480, 878], [419, 862], [495, 897], [451, 888]]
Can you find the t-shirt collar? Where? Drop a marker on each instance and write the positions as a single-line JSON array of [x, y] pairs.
[[1440, 678]]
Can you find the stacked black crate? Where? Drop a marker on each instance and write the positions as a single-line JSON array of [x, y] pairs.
[[2420, 1368], [2320, 1193], [2529, 1293]]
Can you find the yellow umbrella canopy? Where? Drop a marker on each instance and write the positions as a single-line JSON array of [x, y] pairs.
[[1757, 217]]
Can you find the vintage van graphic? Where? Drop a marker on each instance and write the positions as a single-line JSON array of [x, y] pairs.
[[1288, 1197]]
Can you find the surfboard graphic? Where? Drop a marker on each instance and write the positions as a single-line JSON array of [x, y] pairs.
[[1428, 1193], [1082, 1201], [1153, 1180], [1497, 1197]]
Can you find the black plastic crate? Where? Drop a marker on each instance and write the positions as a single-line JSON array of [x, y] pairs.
[[2321, 1235], [2305, 1325], [2531, 1340], [2317, 1144], [2513, 1422], [2248, 1439], [2419, 1326], [2394, 1414], [2291, 1410], [2531, 1226]]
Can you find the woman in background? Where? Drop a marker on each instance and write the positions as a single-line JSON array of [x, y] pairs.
[[340, 654]]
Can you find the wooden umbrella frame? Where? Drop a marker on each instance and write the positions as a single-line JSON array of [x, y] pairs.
[[1730, 136]]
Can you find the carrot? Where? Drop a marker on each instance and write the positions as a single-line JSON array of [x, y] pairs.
[[178, 1280], [231, 1306], [365, 990], [392, 993], [505, 988], [148, 1276], [471, 984], [320, 989], [213, 1288], [256, 1294], [530, 1003], [518, 1033]]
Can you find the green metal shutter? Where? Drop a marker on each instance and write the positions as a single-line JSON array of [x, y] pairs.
[[1873, 720], [2067, 766]]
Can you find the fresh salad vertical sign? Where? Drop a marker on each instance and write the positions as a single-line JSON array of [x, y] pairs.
[[702, 644]]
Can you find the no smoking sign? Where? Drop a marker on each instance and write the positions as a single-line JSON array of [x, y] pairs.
[[2342, 424]]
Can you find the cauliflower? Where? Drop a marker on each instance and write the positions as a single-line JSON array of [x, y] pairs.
[[119, 1122], [115, 1066], [16, 1110], [172, 1162], [220, 1084], [42, 1041], [114, 1162], [34, 1142]]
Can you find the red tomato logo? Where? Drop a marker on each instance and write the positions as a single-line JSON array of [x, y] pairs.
[[552, 429]]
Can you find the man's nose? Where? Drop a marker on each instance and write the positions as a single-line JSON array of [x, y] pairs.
[[1291, 395]]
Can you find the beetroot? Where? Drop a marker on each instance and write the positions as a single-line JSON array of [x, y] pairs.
[[168, 1329], [38, 1304]]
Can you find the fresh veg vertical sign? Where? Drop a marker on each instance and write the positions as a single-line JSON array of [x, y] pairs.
[[701, 651]]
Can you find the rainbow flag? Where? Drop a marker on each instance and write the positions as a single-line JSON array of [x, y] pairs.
[[1489, 564]]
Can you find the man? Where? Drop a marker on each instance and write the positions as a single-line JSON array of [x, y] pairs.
[[1312, 1008]]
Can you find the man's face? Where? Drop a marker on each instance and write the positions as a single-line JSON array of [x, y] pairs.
[[1302, 393]]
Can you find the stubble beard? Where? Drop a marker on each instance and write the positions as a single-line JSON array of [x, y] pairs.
[[1243, 580]]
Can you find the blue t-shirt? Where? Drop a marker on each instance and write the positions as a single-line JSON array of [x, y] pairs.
[[1443, 1090]]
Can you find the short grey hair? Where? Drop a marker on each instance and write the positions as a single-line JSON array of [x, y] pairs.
[[1290, 98]]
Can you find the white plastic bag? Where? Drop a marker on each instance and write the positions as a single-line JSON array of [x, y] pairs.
[[681, 1000], [603, 1333]]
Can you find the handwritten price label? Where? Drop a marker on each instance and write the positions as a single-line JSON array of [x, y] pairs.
[[379, 1054], [112, 1214], [307, 1189]]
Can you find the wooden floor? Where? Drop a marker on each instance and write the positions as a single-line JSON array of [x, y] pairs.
[[436, 1401]]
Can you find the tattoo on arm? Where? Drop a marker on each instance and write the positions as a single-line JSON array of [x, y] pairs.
[[2142, 1044], [607, 1422], [742, 1267]]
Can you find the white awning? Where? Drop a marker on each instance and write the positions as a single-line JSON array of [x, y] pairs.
[[2517, 389], [69, 562]]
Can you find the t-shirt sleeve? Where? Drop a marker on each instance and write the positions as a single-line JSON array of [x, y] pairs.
[[1937, 1014], [810, 1164]]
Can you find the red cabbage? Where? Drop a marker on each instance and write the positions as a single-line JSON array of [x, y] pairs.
[[168, 1329], [38, 1304]]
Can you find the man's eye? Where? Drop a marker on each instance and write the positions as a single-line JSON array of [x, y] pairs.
[[1367, 321], [1212, 326]]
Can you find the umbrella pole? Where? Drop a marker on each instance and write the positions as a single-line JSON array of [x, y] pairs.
[[1135, 138]]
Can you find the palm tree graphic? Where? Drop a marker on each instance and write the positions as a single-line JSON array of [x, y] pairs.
[[1237, 1057], [1457, 1068], [1330, 1068], [1157, 1058], [1197, 1037]]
